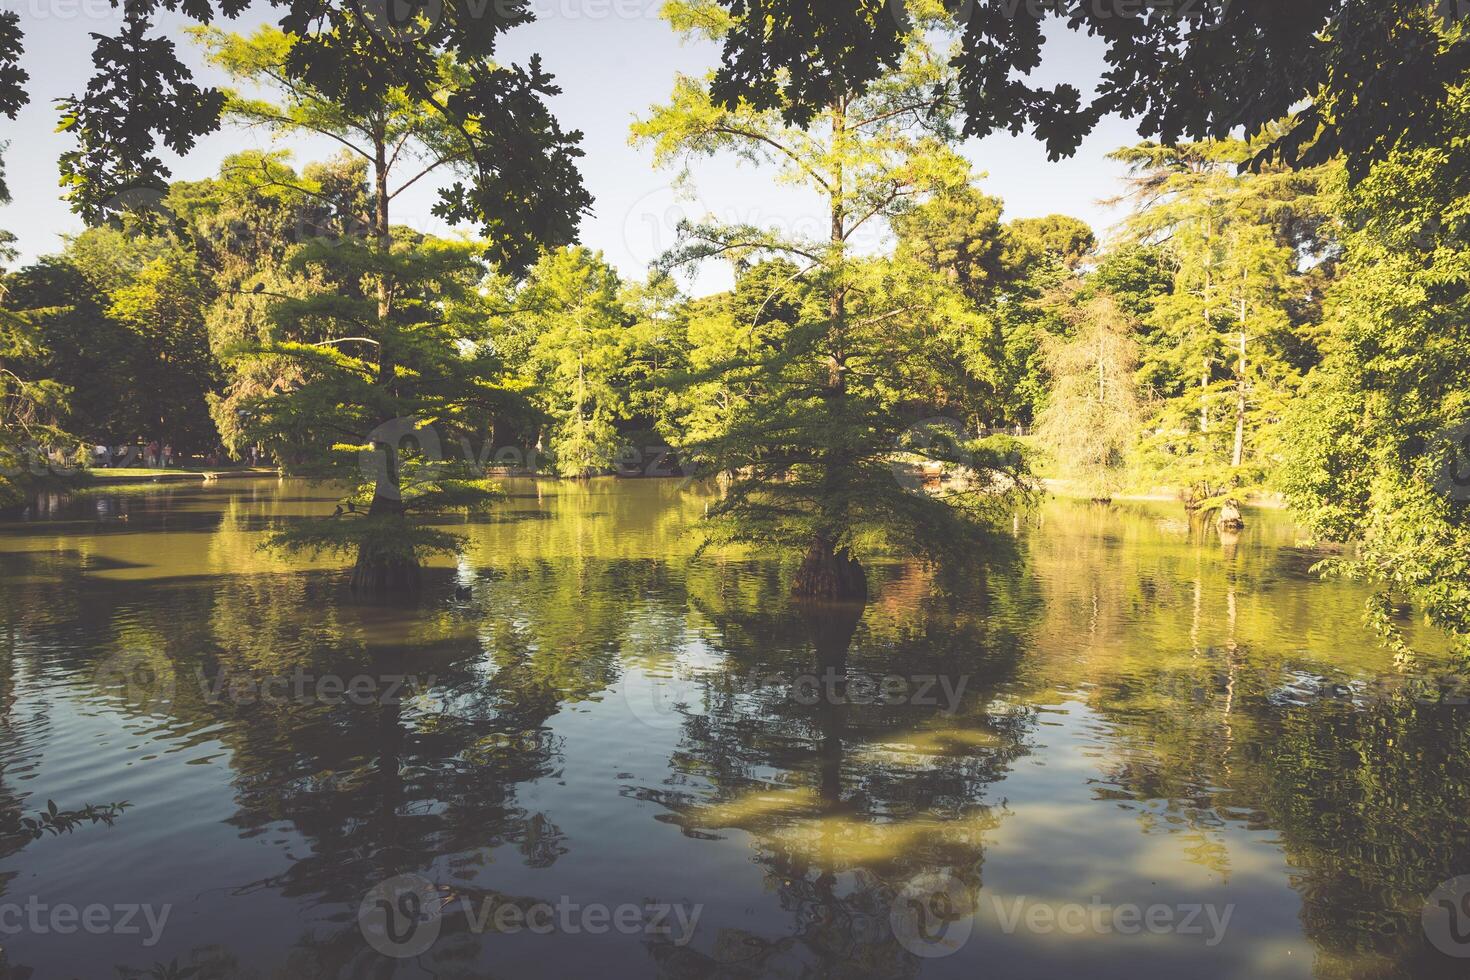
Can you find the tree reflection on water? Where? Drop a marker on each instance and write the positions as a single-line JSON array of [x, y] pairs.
[[1167, 705]]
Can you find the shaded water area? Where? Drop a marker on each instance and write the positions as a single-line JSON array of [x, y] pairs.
[[974, 780]]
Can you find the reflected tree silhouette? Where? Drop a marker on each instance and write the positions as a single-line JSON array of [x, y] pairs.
[[843, 798], [1209, 695]]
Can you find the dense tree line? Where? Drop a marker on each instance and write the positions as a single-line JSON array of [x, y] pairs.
[[1258, 323]]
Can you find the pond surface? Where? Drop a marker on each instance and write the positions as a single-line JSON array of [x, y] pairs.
[[1135, 749]]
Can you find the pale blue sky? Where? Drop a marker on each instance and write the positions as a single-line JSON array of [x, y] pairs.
[[613, 59]]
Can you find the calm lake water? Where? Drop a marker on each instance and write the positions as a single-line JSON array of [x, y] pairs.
[[1136, 749]]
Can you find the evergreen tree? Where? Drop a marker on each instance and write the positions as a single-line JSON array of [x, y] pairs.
[[414, 363], [31, 406], [816, 413], [377, 399], [1092, 413], [1376, 448], [569, 333], [59, 329], [1003, 270], [1222, 345]]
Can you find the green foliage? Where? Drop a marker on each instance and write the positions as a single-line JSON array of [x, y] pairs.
[[1091, 418], [570, 333], [387, 537], [30, 406], [162, 309], [805, 381], [1192, 69], [428, 360], [55, 821], [1253, 325], [1055, 238], [1002, 270], [1375, 446], [1135, 275], [960, 234], [517, 176], [247, 226], [359, 385], [118, 324], [1222, 354]]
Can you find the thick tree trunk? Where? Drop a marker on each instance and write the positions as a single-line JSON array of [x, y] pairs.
[[1230, 518], [386, 580], [374, 576], [830, 574], [381, 578]]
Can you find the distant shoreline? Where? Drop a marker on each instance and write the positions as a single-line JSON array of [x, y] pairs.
[[121, 475], [1064, 488], [1054, 486]]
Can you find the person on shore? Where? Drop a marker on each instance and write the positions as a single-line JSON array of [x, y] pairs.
[[168, 455]]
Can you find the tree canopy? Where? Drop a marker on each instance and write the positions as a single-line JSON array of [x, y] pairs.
[[519, 184], [1355, 77], [1278, 312]]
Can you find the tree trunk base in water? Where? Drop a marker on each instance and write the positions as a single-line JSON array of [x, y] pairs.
[[388, 579], [829, 574], [1230, 519]]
